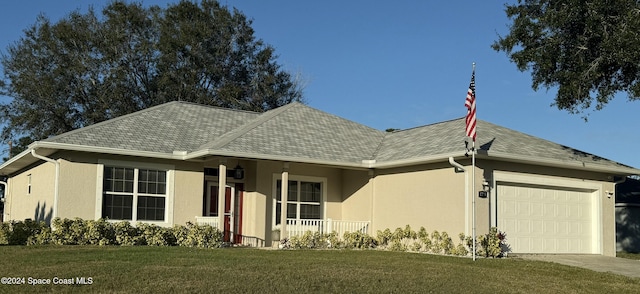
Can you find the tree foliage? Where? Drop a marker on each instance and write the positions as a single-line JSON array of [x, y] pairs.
[[90, 67], [588, 49]]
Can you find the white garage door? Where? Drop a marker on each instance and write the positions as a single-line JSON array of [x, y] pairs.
[[540, 219]]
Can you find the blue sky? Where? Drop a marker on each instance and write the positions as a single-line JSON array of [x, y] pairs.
[[402, 64]]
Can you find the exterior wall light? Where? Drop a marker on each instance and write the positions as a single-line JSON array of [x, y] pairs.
[[485, 190], [238, 172]]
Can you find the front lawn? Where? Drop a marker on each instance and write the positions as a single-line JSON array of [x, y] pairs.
[[635, 256], [181, 269]]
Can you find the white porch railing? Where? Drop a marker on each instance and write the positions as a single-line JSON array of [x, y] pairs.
[[213, 221], [297, 227]]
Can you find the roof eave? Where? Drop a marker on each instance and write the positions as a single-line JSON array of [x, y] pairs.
[[9, 167], [107, 150], [415, 161], [567, 164], [272, 157]]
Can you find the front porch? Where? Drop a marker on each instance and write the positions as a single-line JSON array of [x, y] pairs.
[[297, 227], [265, 203]]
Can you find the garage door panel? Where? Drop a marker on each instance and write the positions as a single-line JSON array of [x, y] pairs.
[[540, 219]]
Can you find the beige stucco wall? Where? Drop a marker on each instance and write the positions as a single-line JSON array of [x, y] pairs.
[[77, 190], [429, 196], [188, 192], [37, 205], [357, 192]]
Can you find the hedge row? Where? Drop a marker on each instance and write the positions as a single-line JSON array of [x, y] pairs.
[[492, 244], [101, 232]]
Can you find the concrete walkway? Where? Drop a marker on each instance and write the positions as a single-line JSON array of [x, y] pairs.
[[599, 263]]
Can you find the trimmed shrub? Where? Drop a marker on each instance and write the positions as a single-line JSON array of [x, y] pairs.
[[101, 232], [19, 232], [358, 240], [492, 244], [384, 237], [203, 236], [154, 235], [5, 231]]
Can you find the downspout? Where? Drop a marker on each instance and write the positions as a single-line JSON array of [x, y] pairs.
[[459, 168], [3, 199], [5, 190], [54, 212]]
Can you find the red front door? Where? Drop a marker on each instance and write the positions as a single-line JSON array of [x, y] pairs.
[[228, 229], [227, 214], [239, 191]]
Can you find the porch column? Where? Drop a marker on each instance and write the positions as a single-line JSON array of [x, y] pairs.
[[284, 191], [222, 184]]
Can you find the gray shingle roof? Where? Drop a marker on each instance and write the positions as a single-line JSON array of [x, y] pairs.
[[172, 126], [448, 137], [297, 131], [303, 132]]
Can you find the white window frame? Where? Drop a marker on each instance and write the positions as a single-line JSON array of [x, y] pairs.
[[277, 197], [169, 200]]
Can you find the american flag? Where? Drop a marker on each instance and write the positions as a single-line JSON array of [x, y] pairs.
[[470, 103]]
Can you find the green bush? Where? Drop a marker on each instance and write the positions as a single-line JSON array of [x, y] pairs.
[[308, 240], [101, 232], [358, 240], [154, 235], [397, 245], [446, 243], [4, 233], [460, 249], [384, 237], [19, 232], [492, 244], [333, 240], [193, 235]]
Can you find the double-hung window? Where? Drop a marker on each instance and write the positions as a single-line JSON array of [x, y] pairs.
[[134, 194], [304, 200]]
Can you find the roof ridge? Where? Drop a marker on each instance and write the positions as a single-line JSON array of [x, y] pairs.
[[236, 133], [379, 147], [110, 121], [211, 106], [431, 124]]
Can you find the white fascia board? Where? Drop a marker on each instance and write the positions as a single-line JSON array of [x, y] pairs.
[[419, 160], [15, 158], [106, 150], [579, 165], [210, 152]]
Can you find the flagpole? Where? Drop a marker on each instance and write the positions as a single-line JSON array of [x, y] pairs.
[[470, 132], [473, 194], [473, 186]]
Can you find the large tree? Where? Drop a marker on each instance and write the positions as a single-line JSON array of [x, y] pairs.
[[90, 67], [587, 49]]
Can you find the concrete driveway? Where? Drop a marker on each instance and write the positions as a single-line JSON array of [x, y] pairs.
[[599, 263]]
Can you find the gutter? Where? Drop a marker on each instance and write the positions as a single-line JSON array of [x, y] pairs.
[[579, 165], [54, 213]]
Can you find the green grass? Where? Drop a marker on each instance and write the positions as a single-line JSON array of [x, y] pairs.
[[179, 269], [635, 256]]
